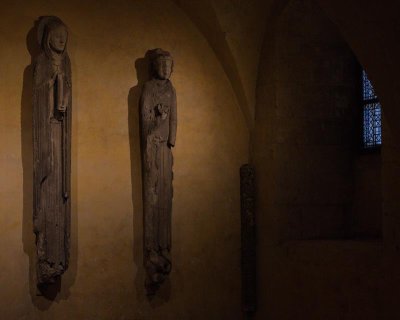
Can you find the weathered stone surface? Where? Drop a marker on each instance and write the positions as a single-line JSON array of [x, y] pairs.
[[158, 132], [52, 150], [248, 238]]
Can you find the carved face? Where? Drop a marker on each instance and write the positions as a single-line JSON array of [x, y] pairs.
[[58, 39], [163, 68]]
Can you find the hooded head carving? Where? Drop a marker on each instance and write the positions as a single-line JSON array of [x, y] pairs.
[[53, 36]]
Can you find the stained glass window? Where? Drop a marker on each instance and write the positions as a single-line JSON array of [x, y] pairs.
[[372, 114]]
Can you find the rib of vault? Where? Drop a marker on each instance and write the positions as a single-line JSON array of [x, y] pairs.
[[234, 30]]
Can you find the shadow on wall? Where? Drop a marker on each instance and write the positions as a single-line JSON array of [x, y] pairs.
[[44, 297], [142, 66]]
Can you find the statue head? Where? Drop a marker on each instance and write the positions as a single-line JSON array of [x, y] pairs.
[[58, 38], [162, 64], [53, 35]]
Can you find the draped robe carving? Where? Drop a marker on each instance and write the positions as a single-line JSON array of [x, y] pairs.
[[52, 153], [158, 132]]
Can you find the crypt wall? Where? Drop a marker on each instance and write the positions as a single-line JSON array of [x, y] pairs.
[[329, 278], [107, 43], [313, 261]]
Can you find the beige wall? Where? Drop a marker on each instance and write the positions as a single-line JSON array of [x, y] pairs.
[[216, 45], [243, 24], [105, 279], [235, 31]]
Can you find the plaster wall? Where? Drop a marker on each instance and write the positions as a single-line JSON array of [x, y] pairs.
[[371, 29], [235, 31], [108, 40], [308, 117], [312, 183], [243, 24]]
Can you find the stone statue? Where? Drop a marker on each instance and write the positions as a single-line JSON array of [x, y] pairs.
[[52, 150], [248, 238], [158, 117]]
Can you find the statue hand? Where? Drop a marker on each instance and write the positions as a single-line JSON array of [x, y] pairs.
[[162, 110], [65, 103], [53, 80], [62, 108]]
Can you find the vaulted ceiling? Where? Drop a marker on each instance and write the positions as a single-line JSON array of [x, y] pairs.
[[235, 29]]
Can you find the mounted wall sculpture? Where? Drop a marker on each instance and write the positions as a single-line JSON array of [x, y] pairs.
[[52, 150], [248, 238], [158, 118]]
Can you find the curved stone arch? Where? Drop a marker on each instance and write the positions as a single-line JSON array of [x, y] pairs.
[[372, 33], [204, 17], [372, 30]]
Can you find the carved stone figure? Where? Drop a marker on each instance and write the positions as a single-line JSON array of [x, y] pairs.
[[52, 150], [248, 238], [158, 131]]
